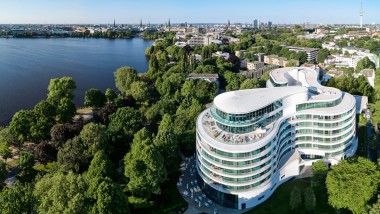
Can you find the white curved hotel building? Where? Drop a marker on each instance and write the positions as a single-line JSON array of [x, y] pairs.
[[251, 141]]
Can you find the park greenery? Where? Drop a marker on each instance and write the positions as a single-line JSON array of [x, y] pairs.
[[126, 158]]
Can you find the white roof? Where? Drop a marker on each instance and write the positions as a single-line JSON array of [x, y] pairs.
[[245, 101], [291, 76]]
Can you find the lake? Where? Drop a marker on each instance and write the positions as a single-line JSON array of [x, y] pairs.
[[27, 65]]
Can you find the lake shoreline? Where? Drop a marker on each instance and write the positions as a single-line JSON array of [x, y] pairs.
[[26, 67]]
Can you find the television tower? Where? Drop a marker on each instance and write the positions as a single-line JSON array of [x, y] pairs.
[[361, 13]]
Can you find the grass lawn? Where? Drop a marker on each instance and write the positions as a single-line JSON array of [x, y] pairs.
[[279, 201], [362, 120]]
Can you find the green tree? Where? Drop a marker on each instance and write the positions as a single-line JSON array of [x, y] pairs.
[[46, 109], [144, 166], [310, 200], [94, 98], [110, 199], [5, 151], [184, 121], [110, 95], [100, 166], [123, 124], [61, 193], [233, 80], [322, 55], [3, 171], [94, 139], [17, 199], [167, 86], [140, 91], [167, 144], [44, 120], [198, 89], [375, 208], [71, 156], [319, 171], [206, 52], [61, 96], [291, 64], [365, 63], [124, 77], [295, 198], [21, 124], [250, 84], [301, 57], [25, 162], [7, 136], [352, 183]]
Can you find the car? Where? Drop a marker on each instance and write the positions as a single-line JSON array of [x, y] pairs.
[[196, 200], [206, 204], [209, 201], [200, 198], [203, 195]]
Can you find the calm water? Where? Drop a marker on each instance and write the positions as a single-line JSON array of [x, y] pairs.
[[27, 65]]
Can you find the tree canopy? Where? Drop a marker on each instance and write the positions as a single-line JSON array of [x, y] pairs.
[[61, 193], [124, 77], [94, 98], [123, 124], [250, 84], [352, 183], [144, 166], [61, 96], [365, 63]]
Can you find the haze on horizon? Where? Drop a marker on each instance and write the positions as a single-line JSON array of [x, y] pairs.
[[194, 11]]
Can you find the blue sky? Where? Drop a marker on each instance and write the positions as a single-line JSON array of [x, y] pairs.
[[192, 11]]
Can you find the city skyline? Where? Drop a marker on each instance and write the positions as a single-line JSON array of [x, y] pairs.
[[100, 12]]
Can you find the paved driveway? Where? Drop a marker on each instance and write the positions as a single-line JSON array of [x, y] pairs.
[[190, 190]]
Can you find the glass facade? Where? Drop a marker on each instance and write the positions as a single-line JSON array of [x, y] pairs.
[[249, 128], [327, 104], [323, 147], [249, 118], [323, 132], [322, 117], [224, 199], [245, 154], [275, 84]]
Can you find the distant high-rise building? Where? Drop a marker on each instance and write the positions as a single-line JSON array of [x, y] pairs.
[[228, 23], [141, 23], [114, 23], [269, 24], [169, 23], [256, 24], [361, 13]]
